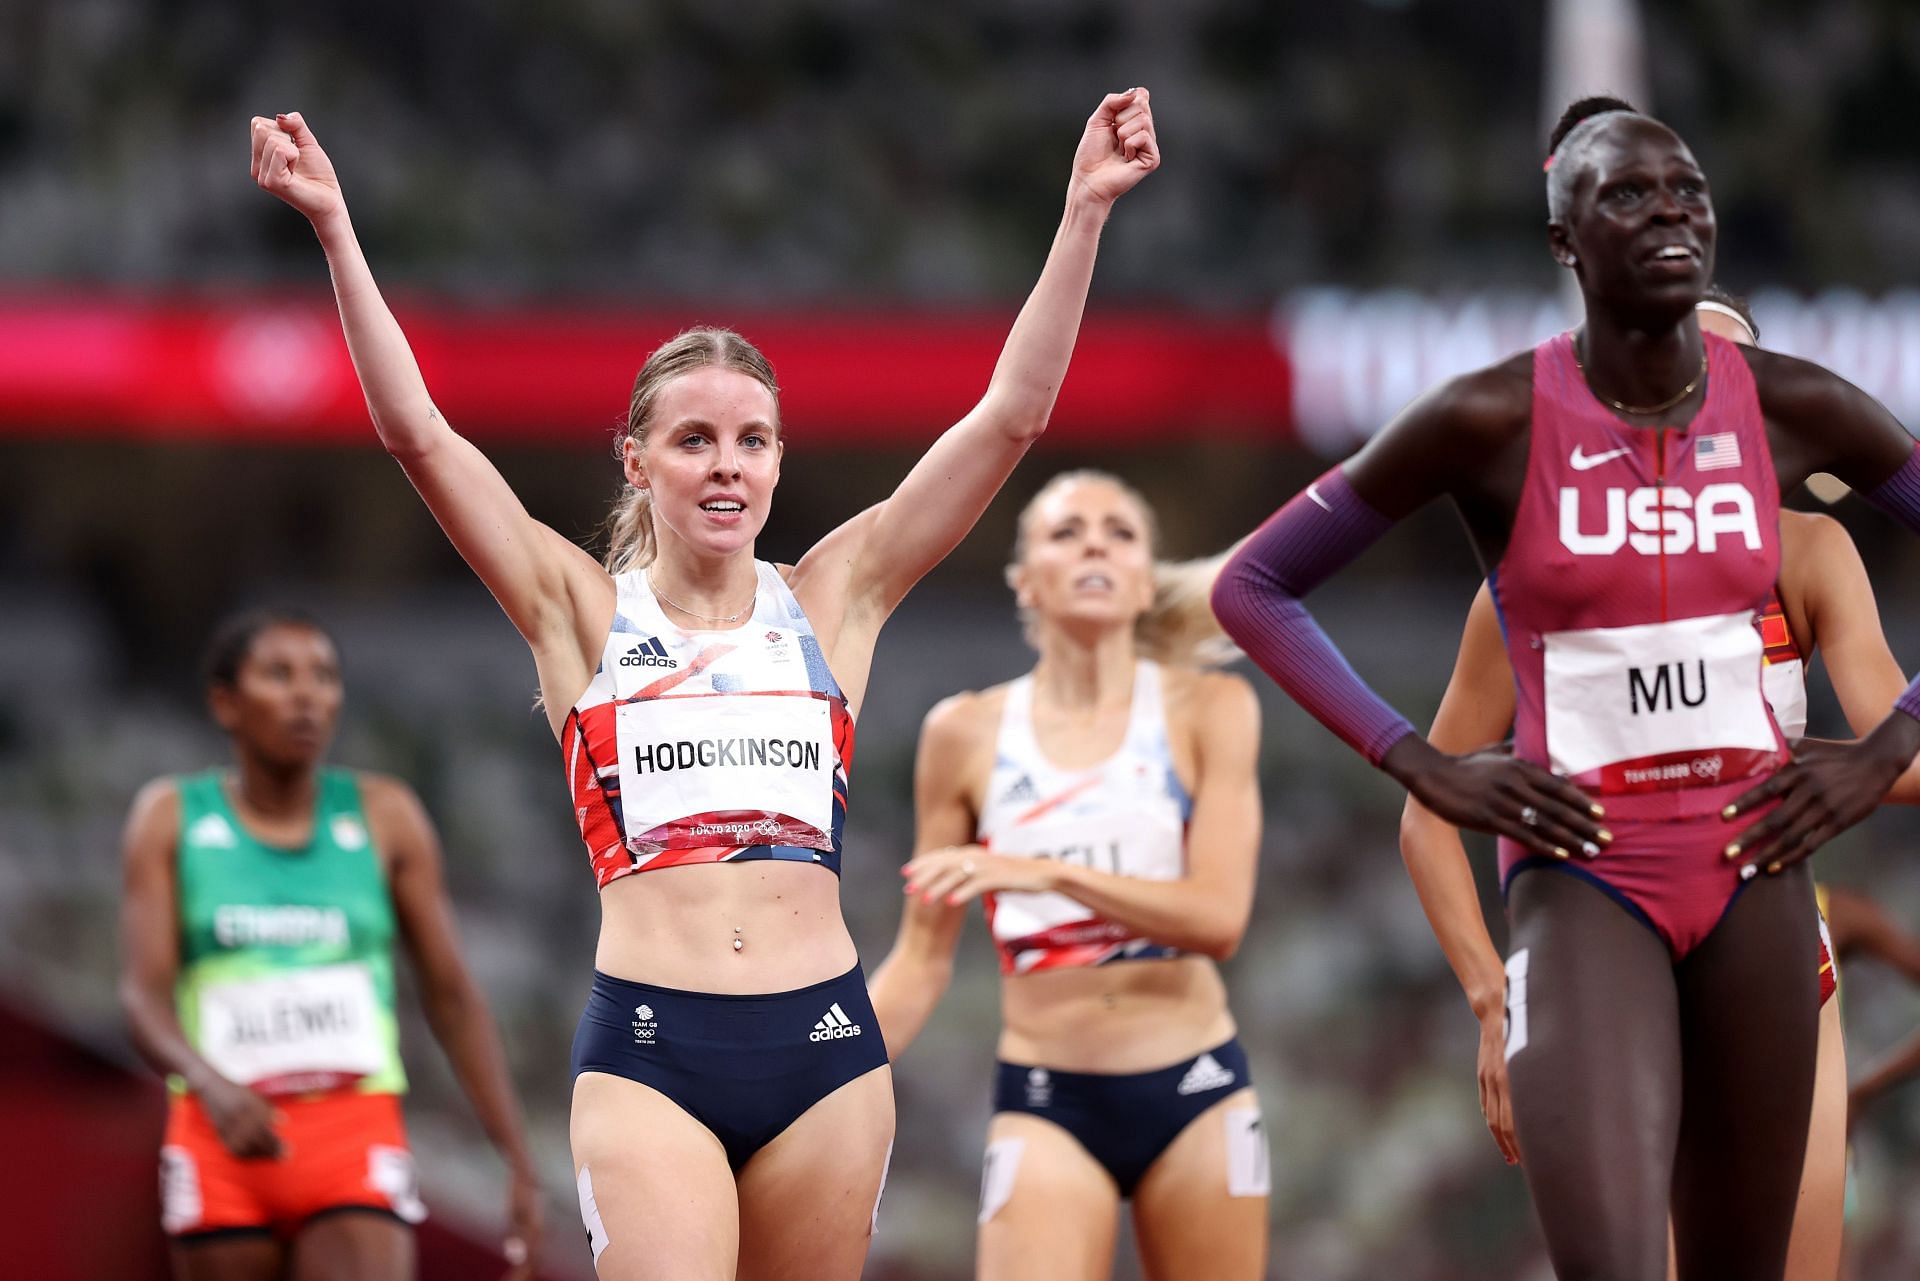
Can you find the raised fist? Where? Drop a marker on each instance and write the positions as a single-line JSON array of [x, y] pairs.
[[288, 162], [1119, 147]]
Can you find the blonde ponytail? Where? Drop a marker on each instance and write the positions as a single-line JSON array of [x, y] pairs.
[[1179, 629], [630, 540], [630, 531]]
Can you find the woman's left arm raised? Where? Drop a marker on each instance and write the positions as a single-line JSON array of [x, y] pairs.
[[867, 566]]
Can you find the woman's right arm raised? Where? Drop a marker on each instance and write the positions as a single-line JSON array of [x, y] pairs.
[[542, 580]]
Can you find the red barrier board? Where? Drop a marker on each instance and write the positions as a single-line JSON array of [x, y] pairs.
[[274, 369]]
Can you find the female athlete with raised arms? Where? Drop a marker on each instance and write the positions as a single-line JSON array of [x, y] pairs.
[[732, 1109], [1623, 482], [1823, 602], [257, 933], [1105, 808]]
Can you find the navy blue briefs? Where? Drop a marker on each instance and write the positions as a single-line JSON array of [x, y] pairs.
[[1124, 1121], [745, 1067]]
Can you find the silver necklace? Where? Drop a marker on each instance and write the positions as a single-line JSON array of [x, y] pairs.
[[705, 618]]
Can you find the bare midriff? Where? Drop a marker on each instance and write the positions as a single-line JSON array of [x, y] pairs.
[[677, 926], [1130, 1016]]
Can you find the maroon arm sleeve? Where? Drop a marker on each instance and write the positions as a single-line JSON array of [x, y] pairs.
[[1257, 600]]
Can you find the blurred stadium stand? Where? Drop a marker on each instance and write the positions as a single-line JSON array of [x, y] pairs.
[[1350, 209]]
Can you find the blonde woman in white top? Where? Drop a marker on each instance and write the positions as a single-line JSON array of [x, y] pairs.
[[1105, 807], [727, 802]]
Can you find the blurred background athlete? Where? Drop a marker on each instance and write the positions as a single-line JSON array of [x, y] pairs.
[[262, 904], [1105, 809]]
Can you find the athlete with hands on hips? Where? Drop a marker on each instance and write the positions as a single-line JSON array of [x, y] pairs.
[[1825, 602], [1622, 484], [725, 1122], [1114, 790]]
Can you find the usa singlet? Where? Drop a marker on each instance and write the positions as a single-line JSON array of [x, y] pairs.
[[1639, 562], [1127, 815], [709, 747]]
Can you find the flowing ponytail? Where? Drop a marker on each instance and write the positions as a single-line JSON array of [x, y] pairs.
[[630, 531], [1178, 629], [630, 541]]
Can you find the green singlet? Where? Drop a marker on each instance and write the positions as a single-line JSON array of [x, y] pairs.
[[286, 954]]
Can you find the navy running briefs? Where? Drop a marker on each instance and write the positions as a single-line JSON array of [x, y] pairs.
[[746, 1067], [1124, 1120]]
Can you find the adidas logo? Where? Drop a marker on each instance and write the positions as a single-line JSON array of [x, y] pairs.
[[212, 830], [1021, 793], [834, 1025], [1205, 1074], [648, 653]]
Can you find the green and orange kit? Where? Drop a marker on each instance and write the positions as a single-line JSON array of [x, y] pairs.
[[286, 954]]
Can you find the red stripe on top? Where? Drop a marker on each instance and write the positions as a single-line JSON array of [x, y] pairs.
[[705, 659], [1058, 799]]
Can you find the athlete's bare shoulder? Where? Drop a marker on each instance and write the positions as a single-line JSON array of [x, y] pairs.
[[156, 807], [956, 745], [385, 793], [1195, 691], [1811, 531], [1445, 441], [1495, 402], [1818, 421], [1792, 389], [965, 719], [395, 813], [1199, 698]]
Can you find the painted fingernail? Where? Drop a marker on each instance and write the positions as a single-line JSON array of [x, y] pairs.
[[1590, 849], [1729, 811], [1606, 837], [1560, 853], [1596, 811], [1733, 850], [1747, 872], [1773, 869]]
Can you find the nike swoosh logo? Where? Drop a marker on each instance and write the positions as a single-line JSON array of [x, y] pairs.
[[1313, 492], [1587, 462]]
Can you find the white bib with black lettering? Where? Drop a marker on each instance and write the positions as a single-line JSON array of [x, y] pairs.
[[321, 1019], [1658, 706], [726, 767]]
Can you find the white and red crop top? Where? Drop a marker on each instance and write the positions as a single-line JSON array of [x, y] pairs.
[[1127, 815], [709, 747]]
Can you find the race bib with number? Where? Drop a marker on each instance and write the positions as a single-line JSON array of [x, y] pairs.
[[743, 769], [309, 1028], [1105, 842], [1658, 706]]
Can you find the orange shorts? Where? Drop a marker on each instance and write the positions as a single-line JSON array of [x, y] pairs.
[[342, 1151]]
